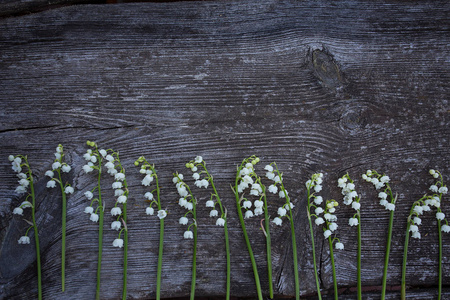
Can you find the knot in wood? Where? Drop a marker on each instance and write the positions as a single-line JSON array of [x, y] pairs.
[[354, 120], [326, 69]]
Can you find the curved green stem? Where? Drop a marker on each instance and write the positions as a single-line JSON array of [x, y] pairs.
[[161, 244], [268, 245], [386, 259], [125, 236], [358, 266], [194, 255], [440, 261], [247, 242], [250, 252], [160, 256], [227, 242], [294, 255], [125, 254], [194, 262], [36, 236], [244, 230], [161, 226], [100, 234], [100, 250], [330, 242], [319, 295], [63, 229], [294, 243], [227, 249], [405, 254]]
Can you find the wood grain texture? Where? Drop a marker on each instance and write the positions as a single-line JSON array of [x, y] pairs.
[[11, 8], [335, 88]]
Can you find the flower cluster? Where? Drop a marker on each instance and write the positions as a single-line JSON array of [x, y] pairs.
[[120, 187], [16, 164], [58, 166], [424, 205], [187, 201], [351, 197], [270, 174], [93, 157], [24, 183], [330, 218], [439, 186], [249, 180], [193, 165], [150, 174], [438, 189], [330, 221], [277, 178], [414, 219], [313, 186], [381, 181], [25, 179]]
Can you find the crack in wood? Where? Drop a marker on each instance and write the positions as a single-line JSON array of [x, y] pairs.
[[64, 128]]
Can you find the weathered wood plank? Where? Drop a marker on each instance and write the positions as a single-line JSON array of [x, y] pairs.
[[316, 87], [10, 8]]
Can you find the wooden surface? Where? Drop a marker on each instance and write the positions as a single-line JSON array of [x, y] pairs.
[[10, 8], [335, 88]]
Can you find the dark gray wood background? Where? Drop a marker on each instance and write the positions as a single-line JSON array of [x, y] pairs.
[[315, 86]]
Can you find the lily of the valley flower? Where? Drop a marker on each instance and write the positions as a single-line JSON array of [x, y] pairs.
[[21, 166]]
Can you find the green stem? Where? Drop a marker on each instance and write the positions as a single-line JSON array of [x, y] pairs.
[[227, 249], [63, 241], [100, 249], [319, 295], [125, 236], [294, 255], [247, 242], [330, 242], [100, 234], [386, 259], [194, 261], [440, 261], [405, 254], [125, 254], [294, 243], [358, 266], [252, 257], [160, 255], [227, 242], [161, 245], [268, 245], [36, 236], [194, 256]]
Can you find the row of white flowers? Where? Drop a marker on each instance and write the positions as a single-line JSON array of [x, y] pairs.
[[248, 177]]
